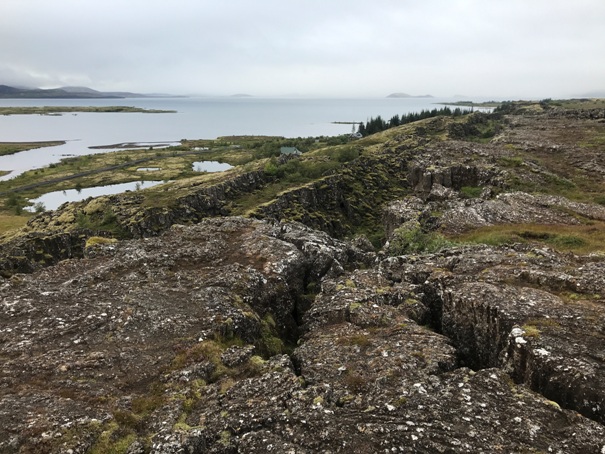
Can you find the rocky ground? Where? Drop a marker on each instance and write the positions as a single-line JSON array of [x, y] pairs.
[[234, 334]]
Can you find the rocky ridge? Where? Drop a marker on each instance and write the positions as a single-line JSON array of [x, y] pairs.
[[244, 335]]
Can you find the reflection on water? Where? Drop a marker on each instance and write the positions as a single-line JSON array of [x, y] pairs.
[[53, 200], [210, 166]]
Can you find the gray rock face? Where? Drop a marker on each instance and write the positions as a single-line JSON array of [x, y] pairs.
[[516, 208], [133, 314], [457, 216], [176, 344], [37, 250]]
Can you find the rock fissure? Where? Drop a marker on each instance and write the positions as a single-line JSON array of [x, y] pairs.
[[525, 331], [243, 335]]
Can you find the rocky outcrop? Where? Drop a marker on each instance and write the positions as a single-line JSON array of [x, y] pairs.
[[180, 343], [52, 236], [423, 178], [36, 250], [248, 335], [133, 316], [135, 216], [516, 208], [453, 215], [484, 300], [308, 203]]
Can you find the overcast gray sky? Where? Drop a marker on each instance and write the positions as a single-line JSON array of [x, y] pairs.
[[506, 48]]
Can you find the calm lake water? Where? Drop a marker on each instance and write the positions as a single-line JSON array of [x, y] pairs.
[[210, 166], [53, 200], [196, 118]]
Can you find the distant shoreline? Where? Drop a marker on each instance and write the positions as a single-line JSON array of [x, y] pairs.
[[58, 110], [7, 148], [487, 104]]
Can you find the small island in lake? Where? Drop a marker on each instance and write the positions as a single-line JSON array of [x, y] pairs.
[[405, 95]]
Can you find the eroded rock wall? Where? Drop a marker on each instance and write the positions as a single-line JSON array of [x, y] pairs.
[[238, 335]]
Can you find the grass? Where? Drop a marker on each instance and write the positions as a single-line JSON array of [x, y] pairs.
[[511, 161], [414, 240], [360, 340], [531, 331], [7, 148], [595, 141], [470, 192], [97, 240], [578, 103], [580, 239], [10, 222], [174, 163], [60, 176], [113, 440]]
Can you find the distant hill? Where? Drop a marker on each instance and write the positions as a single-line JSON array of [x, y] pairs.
[[594, 94], [64, 93], [405, 95]]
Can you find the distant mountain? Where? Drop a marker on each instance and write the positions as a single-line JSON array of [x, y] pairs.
[[64, 93], [405, 95], [593, 94], [80, 90], [6, 90]]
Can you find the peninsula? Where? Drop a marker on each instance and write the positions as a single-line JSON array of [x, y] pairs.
[[58, 110], [405, 95]]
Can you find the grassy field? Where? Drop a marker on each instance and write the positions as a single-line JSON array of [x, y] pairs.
[[16, 147], [580, 239], [10, 222], [173, 163]]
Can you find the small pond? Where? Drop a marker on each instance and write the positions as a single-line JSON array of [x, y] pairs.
[[54, 200], [211, 166]]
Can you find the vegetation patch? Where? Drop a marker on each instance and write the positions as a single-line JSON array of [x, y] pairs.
[[9, 222], [413, 240], [511, 161], [113, 440], [359, 340], [355, 381], [470, 192], [580, 239], [15, 147], [531, 331], [97, 240], [105, 221], [51, 110]]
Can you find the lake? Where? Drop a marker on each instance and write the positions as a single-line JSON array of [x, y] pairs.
[[196, 118], [210, 166], [53, 200]]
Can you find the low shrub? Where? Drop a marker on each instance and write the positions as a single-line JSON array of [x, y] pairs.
[[410, 240]]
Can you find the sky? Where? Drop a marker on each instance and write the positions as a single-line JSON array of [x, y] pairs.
[[511, 49]]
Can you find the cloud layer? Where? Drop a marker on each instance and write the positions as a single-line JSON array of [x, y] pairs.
[[507, 48]]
